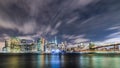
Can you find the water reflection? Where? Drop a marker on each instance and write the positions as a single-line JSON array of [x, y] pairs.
[[59, 61], [12, 62], [55, 61]]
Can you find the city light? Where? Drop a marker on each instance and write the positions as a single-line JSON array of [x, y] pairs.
[[42, 46]]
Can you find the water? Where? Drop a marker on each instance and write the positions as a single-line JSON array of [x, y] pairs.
[[59, 61]]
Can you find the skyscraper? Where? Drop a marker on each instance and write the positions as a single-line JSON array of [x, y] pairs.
[[42, 44], [55, 40], [38, 44]]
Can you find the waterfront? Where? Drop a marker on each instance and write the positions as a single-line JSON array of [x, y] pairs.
[[59, 61]]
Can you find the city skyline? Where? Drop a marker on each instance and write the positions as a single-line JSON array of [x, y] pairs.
[[70, 20], [60, 33]]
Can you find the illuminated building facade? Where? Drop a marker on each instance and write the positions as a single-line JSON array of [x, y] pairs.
[[50, 47], [41, 44], [15, 45], [56, 42], [38, 44], [27, 45], [12, 45]]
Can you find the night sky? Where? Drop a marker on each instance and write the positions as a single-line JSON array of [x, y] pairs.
[[71, 20]]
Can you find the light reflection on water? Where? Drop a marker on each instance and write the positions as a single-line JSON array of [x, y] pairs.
[[59, 61]]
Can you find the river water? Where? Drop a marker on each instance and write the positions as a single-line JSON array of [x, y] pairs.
[[59, 61]]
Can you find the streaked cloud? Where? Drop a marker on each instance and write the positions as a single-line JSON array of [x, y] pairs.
[[26, 28], [113, 35], [76, 38], [72, 20], [114, 28]]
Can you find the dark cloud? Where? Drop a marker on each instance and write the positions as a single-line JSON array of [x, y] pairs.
[[63, 18]]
